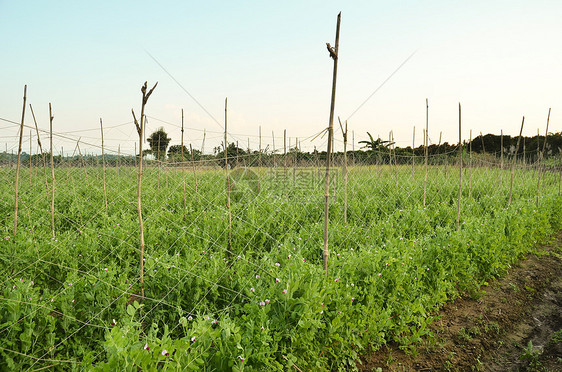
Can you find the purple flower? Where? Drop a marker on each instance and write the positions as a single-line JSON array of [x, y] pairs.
[[257, 276], [190, 318], [284, 291], [15, 287], [277, 264], [114, 323], [266, 301], [380, 275], [277, 280], [165, 352], [337, 280], [262, 303], [263, 329], [193, 339], [146, 347]]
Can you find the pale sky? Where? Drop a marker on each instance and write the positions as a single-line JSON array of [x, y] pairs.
[[500, 59]]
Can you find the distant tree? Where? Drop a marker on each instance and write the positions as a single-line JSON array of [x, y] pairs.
[[376, 144], [175, 153], [234, 153], [158, 142]]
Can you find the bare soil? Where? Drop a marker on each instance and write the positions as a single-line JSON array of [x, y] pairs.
[[513, 324]]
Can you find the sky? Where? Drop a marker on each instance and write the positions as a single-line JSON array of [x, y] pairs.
[[499, 59]]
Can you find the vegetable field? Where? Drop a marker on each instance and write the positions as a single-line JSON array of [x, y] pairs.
[[253, 296]]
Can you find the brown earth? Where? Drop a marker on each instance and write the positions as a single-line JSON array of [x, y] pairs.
[[513, 324]]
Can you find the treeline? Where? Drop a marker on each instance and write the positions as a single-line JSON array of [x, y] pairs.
[[374, 152]]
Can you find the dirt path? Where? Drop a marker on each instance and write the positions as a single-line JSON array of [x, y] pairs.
[[514, 324]]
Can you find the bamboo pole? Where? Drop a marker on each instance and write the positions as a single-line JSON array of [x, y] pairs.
[[82, 161], [514, 160], [334, 56], [501, 160], [344, 133], [438, 163], [460, 172], [426, 142], [52, 172], [140, 131], [182, 162], [227, 177], [541, 156], [194, 172], [103, 166], [19, 161]]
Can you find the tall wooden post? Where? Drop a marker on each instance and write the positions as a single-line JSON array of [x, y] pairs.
[[514, 161], [460, 172], [19, 161], [51, 117], [541, 156], [227, 177], [103, 166], [334, 56], [501, 160], [182, 162], [140, 131], [344, 133]]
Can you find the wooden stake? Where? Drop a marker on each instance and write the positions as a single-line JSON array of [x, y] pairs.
[[344, 133], [51, 117], [140, 131], [19, 161], [194, 172], [501, 160], [82, 161], [182, 162], [460, 172], [334, 56], [227, 177], [541, 155], [103, 166], [426, 142], [514, 160]]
